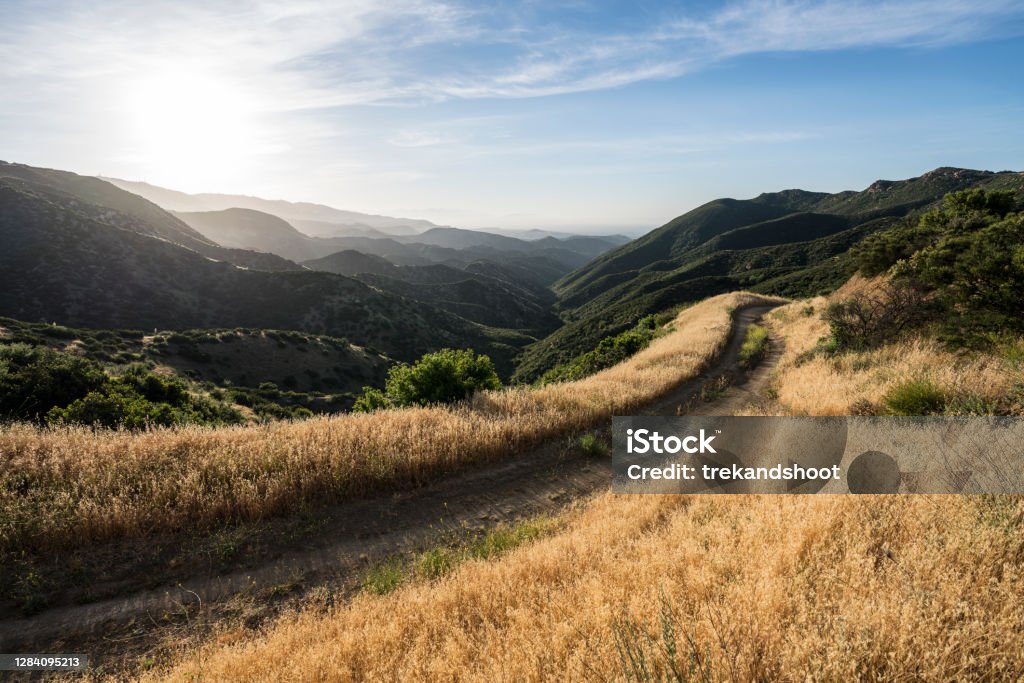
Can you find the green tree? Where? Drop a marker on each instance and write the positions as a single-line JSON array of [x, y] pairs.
[[445, 376]]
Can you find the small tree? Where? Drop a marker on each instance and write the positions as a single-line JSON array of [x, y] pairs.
[[371, 400]]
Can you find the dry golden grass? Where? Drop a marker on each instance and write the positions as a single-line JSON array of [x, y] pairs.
[[76, 486], [763, 588], [825, 385], [833, 588]]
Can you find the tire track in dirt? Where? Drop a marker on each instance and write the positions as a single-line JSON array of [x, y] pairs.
[[353, 534]]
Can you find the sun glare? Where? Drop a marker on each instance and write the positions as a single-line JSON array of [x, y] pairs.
[[188, 128]]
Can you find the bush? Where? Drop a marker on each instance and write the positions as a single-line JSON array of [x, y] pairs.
[[115, 408], [969, 253], [593, 446], [35, 379], [916, 397], [268, 390], [47, 386], [873, 317], [445, 376], [371, 400]]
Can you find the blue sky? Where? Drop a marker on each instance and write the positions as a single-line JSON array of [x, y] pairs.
[[516, 114]]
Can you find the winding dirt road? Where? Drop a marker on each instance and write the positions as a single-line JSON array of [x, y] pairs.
[[334, 549]]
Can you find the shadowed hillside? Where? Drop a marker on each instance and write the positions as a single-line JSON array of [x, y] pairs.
[[76, 262]]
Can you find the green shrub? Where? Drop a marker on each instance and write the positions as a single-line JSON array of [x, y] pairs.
[[116, 408], [442, 377], [268, 390], [915, 397], [47, 386], [371, 400], [445, 376], [970, 253], [35, 379]]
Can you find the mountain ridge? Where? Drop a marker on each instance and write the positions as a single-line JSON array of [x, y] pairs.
[[790, 243]]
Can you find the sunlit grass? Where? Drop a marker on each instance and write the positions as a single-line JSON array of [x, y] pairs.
[[74, 486], [756, 587], [700, 588]]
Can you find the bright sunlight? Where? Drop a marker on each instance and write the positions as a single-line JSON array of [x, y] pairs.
[[192, 128]]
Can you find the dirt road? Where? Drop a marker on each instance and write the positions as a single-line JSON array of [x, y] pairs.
[[134, 595]]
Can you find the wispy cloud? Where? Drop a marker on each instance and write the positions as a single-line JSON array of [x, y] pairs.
[[319, 54], [763, 25], [573, 61]]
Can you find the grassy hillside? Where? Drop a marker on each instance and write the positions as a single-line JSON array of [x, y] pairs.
[[84, 489], [813, 381], [791, 243], [664, 587], [226, 358], [703, 588]]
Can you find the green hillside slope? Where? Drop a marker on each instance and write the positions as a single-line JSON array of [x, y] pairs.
[[792, 243]]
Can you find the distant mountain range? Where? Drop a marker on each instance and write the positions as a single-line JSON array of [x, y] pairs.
[[316, 220], [81, 252], [260, 231], [319, 220]]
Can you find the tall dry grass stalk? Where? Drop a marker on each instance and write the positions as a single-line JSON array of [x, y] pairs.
[[837, 385], [76, 486], [763, 588]]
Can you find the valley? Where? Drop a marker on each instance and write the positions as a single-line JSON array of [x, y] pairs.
[[224, 433]]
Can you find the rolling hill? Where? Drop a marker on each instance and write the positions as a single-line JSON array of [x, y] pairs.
[[259, 231], [791, 243], [84, 253], [98, 199], [333, 221]]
